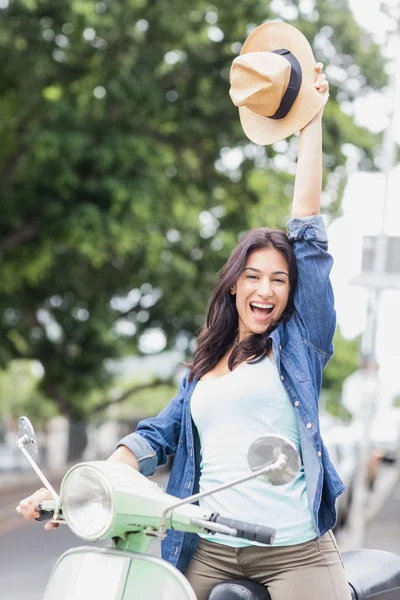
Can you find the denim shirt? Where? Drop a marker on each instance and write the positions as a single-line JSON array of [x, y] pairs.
[[301, 348]]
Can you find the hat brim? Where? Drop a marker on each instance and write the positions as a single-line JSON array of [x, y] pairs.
[[272, 36]]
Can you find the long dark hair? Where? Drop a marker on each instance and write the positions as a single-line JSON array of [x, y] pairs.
[[220, 330]]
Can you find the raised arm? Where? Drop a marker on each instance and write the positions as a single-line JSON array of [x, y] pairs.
[[313, 298], [308, 183]]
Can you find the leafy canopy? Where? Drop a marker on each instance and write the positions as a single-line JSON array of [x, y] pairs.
[[125, 176]]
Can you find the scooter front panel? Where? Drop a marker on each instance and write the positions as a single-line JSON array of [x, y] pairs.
[[152, 578], [109, 574], [83, 573]]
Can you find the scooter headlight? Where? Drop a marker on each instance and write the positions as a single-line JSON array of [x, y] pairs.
[[87, 502]]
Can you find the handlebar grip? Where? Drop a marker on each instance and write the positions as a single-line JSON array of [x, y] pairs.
[[44, 515], [248, 531]]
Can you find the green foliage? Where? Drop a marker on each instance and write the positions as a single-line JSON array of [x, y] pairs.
[[19, 394], [345, 360], [117, 200]]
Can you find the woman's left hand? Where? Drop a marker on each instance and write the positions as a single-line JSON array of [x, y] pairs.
[[321, 84]]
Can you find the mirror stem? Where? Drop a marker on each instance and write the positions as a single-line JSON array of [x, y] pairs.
[[38, 472], [280, 463]]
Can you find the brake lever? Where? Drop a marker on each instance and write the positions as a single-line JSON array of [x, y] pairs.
[[46, 510]]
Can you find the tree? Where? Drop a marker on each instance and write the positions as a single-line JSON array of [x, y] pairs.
[[126, 178]]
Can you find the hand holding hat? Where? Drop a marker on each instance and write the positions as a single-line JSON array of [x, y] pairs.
[[276, 84], [321, 84]]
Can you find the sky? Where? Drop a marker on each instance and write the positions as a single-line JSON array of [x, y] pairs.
[[363, 204]]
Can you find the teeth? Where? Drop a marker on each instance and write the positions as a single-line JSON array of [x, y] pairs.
[[259, 305]]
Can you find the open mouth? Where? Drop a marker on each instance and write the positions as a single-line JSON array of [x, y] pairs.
[[261, 310]]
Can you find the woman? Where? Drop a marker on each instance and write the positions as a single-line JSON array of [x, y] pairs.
[[257, 370]]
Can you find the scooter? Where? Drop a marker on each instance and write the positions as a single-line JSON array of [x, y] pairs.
[[101, 500]]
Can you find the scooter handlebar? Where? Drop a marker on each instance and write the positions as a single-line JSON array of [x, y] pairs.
[[248, 531], [44, 515]]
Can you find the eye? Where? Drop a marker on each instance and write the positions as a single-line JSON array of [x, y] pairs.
[[251, 276], [279, 280]]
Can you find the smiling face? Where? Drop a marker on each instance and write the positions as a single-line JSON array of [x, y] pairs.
[[262, 291]]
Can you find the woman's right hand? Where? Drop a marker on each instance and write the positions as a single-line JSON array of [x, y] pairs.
[[27, 507]]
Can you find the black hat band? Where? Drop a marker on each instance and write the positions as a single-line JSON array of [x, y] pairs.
[[293, 87]]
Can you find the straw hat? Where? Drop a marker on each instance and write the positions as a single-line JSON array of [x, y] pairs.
[[272, 83]]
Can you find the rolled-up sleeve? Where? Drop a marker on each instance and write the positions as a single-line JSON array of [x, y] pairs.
[[143, 452], [313, 298], [157, 437]]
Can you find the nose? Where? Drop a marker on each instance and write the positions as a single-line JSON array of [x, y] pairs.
[[265, 289]]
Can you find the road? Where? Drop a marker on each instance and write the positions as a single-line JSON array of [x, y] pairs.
[[28, 552], [382, 530], [27, 556]]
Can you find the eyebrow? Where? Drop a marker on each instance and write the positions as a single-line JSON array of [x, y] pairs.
[[274, 273]]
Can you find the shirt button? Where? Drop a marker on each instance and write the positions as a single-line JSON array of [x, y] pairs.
[[319, 454], [309, 425], [297, 403], [280, 347], [282, 377]]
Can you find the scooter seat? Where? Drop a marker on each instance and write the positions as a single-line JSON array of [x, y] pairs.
[[239, 589], [371, 574]]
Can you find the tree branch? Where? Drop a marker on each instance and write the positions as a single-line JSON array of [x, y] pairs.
[[18, 236], [132, 391]]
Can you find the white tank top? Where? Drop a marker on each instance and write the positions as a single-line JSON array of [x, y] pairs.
[[230, 412]]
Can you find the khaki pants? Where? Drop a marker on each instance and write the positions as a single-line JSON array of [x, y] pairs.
[[309, 571]]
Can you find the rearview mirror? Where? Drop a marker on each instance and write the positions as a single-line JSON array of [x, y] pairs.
[[266, 450], [27, 436]]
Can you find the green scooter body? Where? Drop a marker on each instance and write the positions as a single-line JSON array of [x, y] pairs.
[[103, 500], [133, 568]]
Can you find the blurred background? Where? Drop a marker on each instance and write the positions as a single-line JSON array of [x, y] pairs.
[[125, 181]]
